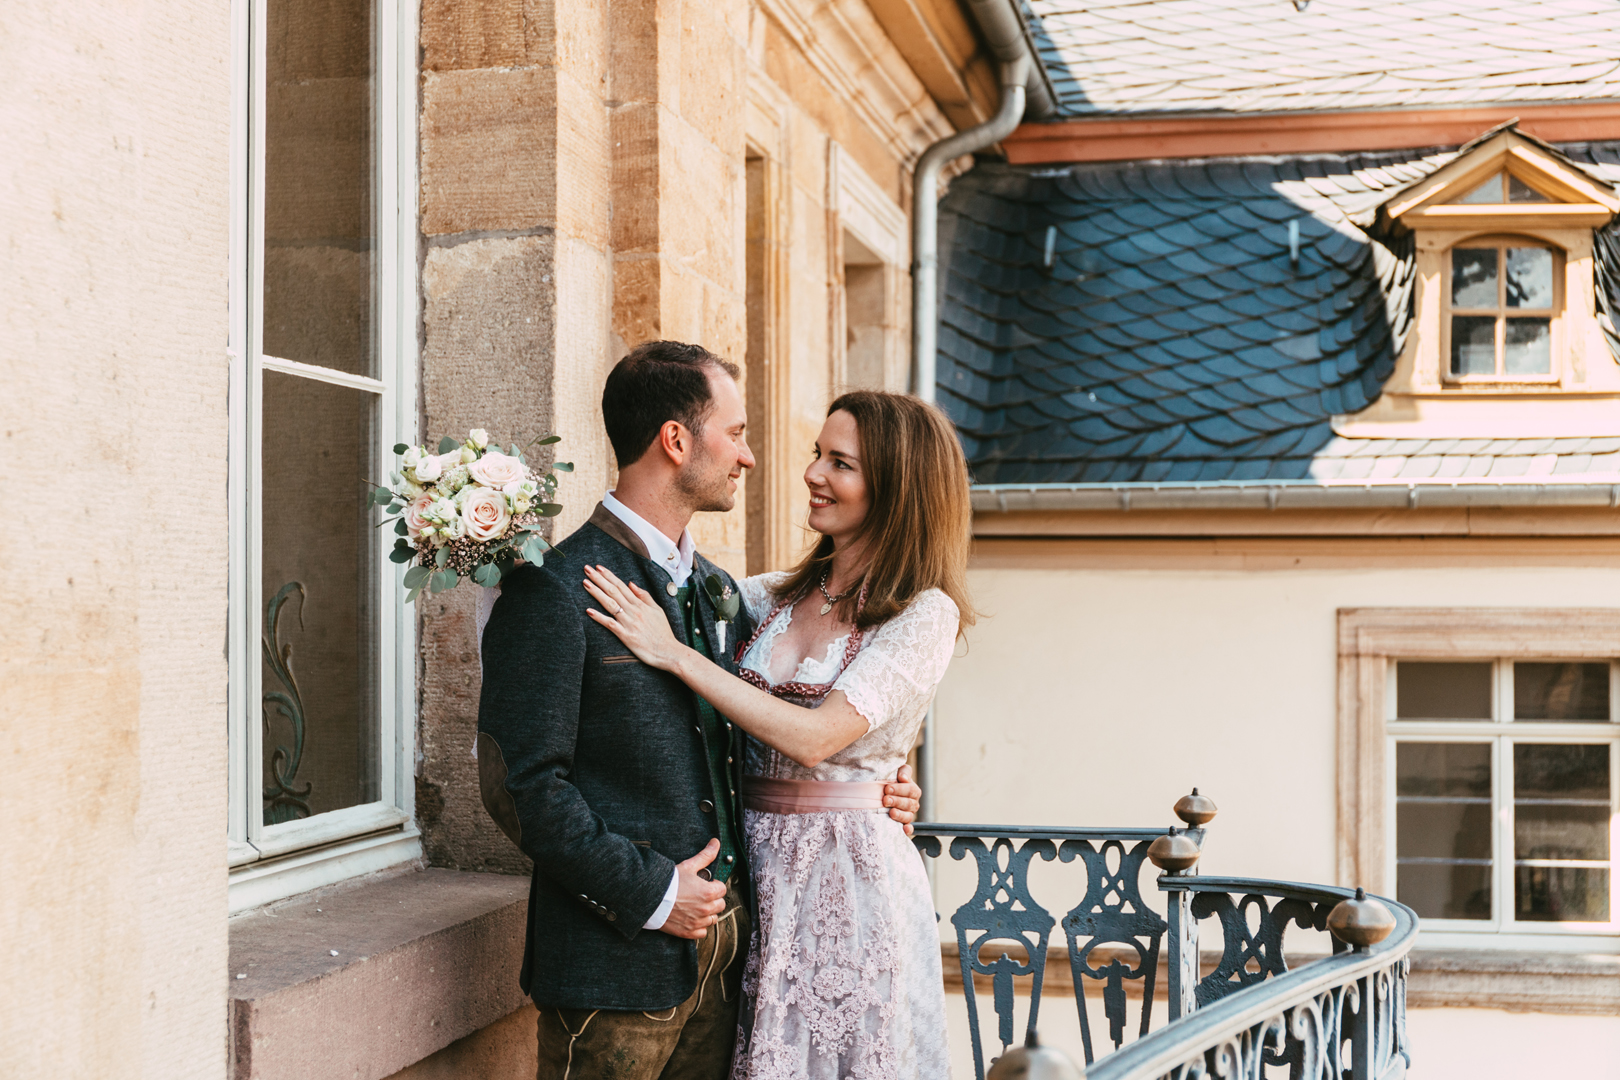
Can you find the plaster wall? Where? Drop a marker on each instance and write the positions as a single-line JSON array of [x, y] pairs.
[[114, 213], [1109, 678]]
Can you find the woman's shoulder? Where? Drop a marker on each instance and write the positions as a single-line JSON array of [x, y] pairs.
[[766, 582], [759, 591], [929, 610]]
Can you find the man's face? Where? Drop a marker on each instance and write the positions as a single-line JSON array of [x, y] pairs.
[[720, 452]]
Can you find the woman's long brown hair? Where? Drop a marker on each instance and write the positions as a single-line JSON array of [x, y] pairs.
[[919, 520]]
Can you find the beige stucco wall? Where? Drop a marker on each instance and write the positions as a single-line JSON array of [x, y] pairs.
[[113, 229], [1110, 677]]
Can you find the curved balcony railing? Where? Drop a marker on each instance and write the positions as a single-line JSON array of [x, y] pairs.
[[1244, 1013]]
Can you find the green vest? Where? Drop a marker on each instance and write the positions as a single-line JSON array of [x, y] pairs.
[[717, 738]]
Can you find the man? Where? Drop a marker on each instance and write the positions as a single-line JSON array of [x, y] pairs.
[[614, 778]]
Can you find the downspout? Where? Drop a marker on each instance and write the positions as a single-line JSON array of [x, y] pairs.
[[1022, 81], [925, 217]]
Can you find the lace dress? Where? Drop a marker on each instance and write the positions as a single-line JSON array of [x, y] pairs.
[[843, 975]]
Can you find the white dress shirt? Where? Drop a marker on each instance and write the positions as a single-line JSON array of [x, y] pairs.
[[675, 559]]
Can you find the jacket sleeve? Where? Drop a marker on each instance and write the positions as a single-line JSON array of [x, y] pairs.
[[528, 724]]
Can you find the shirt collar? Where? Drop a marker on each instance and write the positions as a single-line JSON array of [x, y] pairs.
[[673, 558]]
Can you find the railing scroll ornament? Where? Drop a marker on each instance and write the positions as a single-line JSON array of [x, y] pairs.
[[1341, 1017]]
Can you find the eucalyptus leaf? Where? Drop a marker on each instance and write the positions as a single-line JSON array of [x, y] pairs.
[[410, 597], [417, 576], [441, 556], [448, 443], [401, 528], [382, 496], [400, 448], [533, 552], [445, 579], [549, 509], [402, 553], [563, 466], [487, 575], [546, 440]]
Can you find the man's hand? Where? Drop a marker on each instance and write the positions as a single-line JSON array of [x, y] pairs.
[[698, 901], [903, 798]]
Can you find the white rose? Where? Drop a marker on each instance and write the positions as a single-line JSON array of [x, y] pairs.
[[485, 514], [468, 455], [428, 469], [413, 457], [478, 437], [496, 470]]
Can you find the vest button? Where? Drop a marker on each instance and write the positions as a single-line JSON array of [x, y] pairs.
[[729, 860], [671, 589], [706, 806]]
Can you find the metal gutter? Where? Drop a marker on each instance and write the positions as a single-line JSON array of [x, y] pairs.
[[1294, 495]]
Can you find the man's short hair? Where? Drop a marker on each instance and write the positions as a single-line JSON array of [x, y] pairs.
[[657, 382]]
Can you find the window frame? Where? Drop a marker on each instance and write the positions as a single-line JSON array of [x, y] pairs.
[[1371, 640], [1555, 314], [1503, 732], [267, 863]]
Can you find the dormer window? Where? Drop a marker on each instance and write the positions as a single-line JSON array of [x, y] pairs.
[[1505, 338], [1504, 300]]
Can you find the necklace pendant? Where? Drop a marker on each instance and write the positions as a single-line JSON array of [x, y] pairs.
[[826, 608]]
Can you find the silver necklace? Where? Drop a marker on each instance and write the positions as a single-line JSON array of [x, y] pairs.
[[831, 599]]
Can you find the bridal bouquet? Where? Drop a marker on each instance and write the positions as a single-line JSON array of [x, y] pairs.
[[467, 511]]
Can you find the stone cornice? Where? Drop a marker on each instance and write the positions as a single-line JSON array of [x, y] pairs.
[[846, 45]]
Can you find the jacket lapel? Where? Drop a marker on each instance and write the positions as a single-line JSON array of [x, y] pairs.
[[653, 577]]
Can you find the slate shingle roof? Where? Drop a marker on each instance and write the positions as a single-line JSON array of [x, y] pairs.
[[1172, 337], [1146, 56]]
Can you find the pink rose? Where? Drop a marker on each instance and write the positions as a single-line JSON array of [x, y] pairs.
[[496, 469], [413, 512], [485, 514]]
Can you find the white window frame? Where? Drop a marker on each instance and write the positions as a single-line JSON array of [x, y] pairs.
[[1502, 732], [271, 862]]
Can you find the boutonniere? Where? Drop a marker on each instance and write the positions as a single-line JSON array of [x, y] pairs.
[[726, 604]]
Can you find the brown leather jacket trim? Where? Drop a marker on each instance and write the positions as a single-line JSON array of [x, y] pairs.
[[492, 785], [608, 522]]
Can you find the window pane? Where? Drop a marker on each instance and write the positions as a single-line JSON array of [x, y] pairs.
[[319, 240], [1488, 192], [1433, 690], [1473, 345], [320, 584], [1529, 277], [1473, 277], [1443, 829], [1561, 810], [1561, 894], [1519, 191], [1561, 691], [1527, 347]]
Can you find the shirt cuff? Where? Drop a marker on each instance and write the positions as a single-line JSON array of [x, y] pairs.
[[661, 916]]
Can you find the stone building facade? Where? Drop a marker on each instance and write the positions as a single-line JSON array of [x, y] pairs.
[[249, 246]]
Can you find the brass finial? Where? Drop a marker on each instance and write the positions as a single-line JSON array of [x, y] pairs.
[[1196, 809], [1360, 922], [1032, 1061], [1174, 851]]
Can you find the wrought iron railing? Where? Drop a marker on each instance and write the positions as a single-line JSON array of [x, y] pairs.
[[1341, 1015]]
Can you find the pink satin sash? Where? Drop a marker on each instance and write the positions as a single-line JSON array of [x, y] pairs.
[[810, 796]]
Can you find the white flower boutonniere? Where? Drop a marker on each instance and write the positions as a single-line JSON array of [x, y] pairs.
[[726, 605]]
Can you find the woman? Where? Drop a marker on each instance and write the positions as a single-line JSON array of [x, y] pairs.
[[843, 975]]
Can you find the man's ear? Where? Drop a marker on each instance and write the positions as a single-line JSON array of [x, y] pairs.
[[674, 441]]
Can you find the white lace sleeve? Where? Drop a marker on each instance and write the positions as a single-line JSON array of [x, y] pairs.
[[897, 671], [757, 597]]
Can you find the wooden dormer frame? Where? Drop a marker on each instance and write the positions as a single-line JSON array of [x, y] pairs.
[[1421, 399]]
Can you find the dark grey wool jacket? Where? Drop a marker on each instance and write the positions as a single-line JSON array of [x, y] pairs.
[[594, 764]]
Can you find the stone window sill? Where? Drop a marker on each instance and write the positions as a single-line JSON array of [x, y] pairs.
[[423, 958], [1543, 982]]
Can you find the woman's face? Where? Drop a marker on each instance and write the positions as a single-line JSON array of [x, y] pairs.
[[838, 497]]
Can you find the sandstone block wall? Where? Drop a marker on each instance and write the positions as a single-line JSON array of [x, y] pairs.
[[113, 375]]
